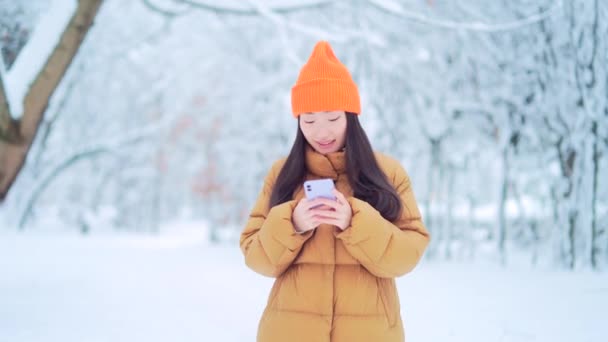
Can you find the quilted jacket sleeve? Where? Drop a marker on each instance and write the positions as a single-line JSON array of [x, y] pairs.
[[387, 249], [269, 241]]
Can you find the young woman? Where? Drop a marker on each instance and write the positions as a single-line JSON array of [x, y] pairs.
[[335, 262]]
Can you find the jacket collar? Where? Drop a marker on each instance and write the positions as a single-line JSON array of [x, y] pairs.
[[330, 165]]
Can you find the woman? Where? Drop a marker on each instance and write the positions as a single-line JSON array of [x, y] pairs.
[[335, 262]]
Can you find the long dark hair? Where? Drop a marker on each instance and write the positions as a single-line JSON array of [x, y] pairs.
[[368, 181]]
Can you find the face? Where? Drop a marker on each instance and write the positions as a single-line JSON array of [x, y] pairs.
[[324, 131]]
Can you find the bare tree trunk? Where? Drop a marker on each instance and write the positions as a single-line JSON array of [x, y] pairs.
[[502, 224], [9, 127], [472, 228], [588, 57], [434, 182], [595, 250], [16, 137], [449, 225], [155, 215], [572, 216], [566, 198]]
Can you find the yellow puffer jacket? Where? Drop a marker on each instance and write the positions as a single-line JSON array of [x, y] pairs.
[[334, 285]]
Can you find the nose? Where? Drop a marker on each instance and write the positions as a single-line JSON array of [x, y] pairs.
[[323, 134]]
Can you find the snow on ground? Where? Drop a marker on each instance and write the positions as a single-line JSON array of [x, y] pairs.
[[145, 288]]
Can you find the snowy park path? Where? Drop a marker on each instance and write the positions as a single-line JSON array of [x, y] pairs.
[[165, 289]]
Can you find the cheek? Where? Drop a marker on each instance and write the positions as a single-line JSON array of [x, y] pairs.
[[306, 131], [340, 132]]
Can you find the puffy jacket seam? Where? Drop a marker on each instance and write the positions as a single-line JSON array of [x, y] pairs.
[[327, 315]]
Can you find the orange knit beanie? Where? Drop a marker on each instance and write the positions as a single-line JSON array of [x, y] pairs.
[[324, 84]]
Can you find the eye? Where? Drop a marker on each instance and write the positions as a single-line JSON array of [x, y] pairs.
[[336, 119], [308, 122]]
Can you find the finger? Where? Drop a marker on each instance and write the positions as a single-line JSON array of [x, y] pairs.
[[323, 201], [318, 214], [324, 212], [313, 213], [302, 202], [329, 220], [311, 205], [322, 219], [322, 207], [341, 198]]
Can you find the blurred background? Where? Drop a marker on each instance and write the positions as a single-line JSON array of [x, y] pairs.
[[137, 127]]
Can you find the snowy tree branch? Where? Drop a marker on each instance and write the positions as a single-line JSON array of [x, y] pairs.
[[44, 82], [88, 152], [303, 5], [280, 24], [395, 10], [162, 11]]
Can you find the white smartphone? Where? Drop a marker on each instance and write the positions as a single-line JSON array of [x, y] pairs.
[[319, 188]]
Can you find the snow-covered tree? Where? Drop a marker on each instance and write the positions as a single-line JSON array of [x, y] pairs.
[[177, 108]]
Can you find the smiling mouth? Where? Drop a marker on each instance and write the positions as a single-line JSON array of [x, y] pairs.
[[326, 144]]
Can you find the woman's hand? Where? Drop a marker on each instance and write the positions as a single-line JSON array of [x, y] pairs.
[[302, 217], [337, 213], [309, 214]]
